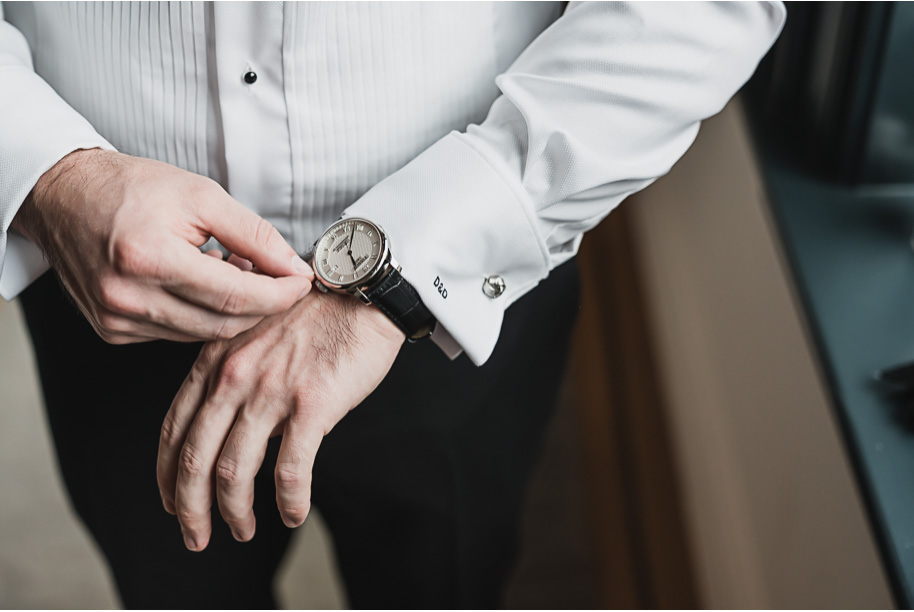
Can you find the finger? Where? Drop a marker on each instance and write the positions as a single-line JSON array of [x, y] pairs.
[[147, 311], [136, 328], [147, 332], [223, 288], [300, 441], [238, 464], [174, 430], [116, 329], [250, 236], [196, 465], [123, 311], [161, 314], [241, 263]]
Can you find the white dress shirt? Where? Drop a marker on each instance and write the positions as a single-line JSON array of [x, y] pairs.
[[484, 137]]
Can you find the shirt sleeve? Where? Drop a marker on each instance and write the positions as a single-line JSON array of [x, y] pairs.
[[598, 107], [37, 129]]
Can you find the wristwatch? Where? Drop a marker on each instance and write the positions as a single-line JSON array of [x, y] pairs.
[[354, 256]]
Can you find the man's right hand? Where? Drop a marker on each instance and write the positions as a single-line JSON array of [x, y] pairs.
[[124, 234]]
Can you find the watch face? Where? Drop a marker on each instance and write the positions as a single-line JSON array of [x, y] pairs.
[[348, 253]]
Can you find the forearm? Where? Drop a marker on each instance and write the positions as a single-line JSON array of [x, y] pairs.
[[603, 103], [58, 184]]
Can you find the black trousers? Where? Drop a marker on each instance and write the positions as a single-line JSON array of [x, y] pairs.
[[421, 486]]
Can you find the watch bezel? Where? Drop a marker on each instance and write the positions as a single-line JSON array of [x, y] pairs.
[[372, 275]]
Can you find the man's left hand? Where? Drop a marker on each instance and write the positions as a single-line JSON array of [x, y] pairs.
[[296, 374]]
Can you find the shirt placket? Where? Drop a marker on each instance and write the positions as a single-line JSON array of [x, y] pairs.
[[252, 106]]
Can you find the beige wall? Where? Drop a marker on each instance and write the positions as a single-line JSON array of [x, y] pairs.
[[773, 513]]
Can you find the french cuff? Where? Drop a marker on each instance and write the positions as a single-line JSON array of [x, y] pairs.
[[455, 219], [39, 129], [22, 265]]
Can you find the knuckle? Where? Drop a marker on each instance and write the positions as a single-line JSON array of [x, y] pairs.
[[190, 462], [111, 295], [149, 313], [228, 472], [235, 370], [113, 328], [289, 476], [202, 189], [171, 435], [187, 517], [211, 187], [132, 258], [107, 322], [116, 296]]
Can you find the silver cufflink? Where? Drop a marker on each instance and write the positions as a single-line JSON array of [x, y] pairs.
[[493, 286]]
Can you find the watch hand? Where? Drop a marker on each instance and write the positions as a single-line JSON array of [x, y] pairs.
[[351, 236]]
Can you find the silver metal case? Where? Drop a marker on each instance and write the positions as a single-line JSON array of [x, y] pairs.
[[358, 287]]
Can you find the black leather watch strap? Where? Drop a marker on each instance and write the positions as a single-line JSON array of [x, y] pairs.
[[399, 301]]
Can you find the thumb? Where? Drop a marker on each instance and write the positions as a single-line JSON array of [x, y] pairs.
[[251, 237]]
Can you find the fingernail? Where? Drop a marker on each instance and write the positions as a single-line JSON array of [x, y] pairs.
[[305, 291], [302, 267], [237, 535], [169, 507], [190, 542], [290, 523]]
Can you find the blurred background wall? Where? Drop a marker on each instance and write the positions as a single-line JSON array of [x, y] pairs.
[[773, 514]]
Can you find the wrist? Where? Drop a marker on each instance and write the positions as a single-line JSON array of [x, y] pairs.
[[52, 187], [352, 319], [58, 185], [380, 322]]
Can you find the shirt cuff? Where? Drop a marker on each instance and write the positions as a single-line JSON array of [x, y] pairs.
[[454, 219], [39, 129], [23, 264]]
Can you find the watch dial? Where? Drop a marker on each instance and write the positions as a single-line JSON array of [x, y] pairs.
[[347, 252]]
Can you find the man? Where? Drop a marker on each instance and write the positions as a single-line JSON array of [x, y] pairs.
[[466, 147]]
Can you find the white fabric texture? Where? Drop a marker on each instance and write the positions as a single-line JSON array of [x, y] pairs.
[[485, 138]]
